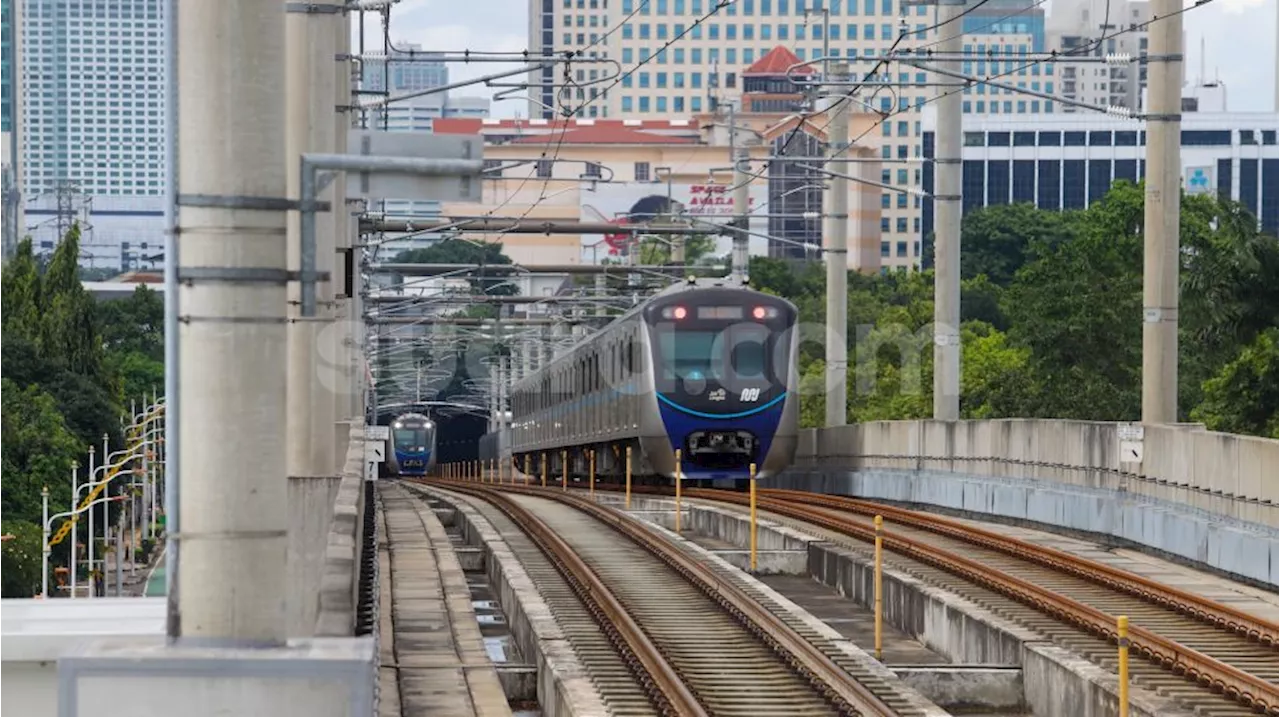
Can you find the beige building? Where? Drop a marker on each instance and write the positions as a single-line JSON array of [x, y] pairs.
[[631, 171], [708, 66], [1079, 24]]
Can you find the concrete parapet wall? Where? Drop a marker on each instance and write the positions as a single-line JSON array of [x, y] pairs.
[[337, 587], [1237, 547], [1223, 474]]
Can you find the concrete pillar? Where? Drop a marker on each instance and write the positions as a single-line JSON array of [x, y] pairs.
[[232, 338]]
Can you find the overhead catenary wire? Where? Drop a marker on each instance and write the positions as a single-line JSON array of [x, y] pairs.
[[565, 102], [852, 91], [962, 85]]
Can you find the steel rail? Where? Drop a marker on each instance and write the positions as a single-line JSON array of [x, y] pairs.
[[834, 683], [1249, 690], [658, 678], [1203, 609]]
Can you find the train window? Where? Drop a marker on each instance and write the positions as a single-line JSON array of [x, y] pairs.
[[747, 357], [690, 353]]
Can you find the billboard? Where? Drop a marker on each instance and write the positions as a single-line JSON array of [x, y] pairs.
[[625, 203]]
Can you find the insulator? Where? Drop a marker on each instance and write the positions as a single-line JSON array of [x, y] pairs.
[[1119, 58]]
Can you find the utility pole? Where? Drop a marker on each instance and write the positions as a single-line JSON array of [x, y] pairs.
[[231, 183], [311, 42], [837, 250], [946, 247], [741, 200], [1161, 217]]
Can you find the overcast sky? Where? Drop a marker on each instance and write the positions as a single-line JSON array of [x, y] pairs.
[[1240, 39]]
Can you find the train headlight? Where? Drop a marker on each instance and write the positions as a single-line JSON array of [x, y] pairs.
[[765, 312], [675, 312]]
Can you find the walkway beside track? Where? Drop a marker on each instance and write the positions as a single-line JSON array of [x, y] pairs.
[[433, 659]]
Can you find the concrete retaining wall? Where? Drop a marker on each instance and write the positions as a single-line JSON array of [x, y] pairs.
[[1236, 547], [1223, 474], [339, 566]]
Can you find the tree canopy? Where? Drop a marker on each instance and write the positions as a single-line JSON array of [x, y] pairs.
[[462, 251], [70, 366], [1051, 319]]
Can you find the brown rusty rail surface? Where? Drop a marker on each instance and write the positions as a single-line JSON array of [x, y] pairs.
[[1249, 690], [664, 686], [837, 686], [1208, 611]]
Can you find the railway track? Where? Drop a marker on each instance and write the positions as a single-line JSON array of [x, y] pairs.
[[1192, 646], [695, 643]]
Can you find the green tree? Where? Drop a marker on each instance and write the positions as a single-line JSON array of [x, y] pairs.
[[37, 451], [1000, 239], [1242, 397], [21, 294], [461, 251], [655, 251], [135, 324], [995, 377], [20, 566], [69, 331], [1078, 310]]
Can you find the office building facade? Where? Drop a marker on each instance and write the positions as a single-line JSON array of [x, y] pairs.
[[1069, 162], [658, 170], [93, 119], [1083, 27], [10, 79], [709, 65], [411, 68]]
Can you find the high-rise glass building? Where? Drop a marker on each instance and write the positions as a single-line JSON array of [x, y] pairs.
[[92, 121], [94, 75], [8, 51], [411, 68]]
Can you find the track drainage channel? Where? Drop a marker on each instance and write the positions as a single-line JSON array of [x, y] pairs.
[[518, 679]]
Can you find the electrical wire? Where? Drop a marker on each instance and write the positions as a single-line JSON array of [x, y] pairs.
[[565, 98], [1057, 56], [849, 95], [601, 94]]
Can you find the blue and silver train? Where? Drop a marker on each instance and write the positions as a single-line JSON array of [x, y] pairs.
[[705, 367], [411, 445]]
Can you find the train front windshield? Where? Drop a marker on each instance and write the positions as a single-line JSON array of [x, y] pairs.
[[410, 440], [691, 354]]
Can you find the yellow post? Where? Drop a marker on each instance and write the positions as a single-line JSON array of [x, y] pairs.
[[1122, 639], [628, 477], [544, 470], [526, 469], [564, 470], [879, 588], [592, 474], [678, 491], [753, 517]]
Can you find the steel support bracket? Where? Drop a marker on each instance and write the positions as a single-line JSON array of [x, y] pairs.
[[251, 203], [314, 8], [247, 274]]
